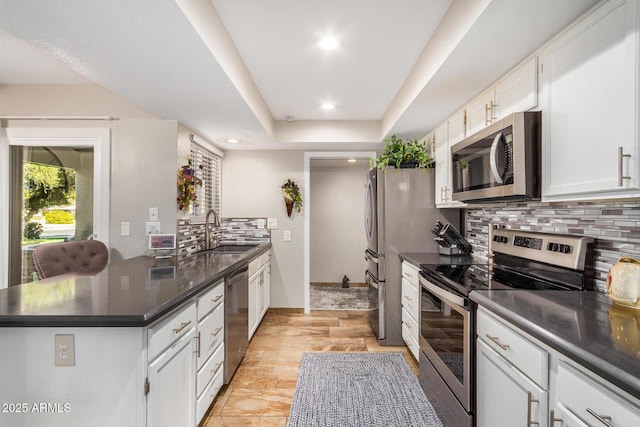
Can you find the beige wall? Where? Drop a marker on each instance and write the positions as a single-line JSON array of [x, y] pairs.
[[337, 237], [251, 183], [143, 152]]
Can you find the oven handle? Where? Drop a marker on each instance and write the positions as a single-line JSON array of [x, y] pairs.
[[492, 158], [441, 293]]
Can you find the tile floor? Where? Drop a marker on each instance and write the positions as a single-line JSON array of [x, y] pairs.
[[261, 391]]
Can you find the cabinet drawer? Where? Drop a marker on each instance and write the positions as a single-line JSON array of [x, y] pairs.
[[410, 301], [213, 365], [164, 333], [410, 341], [522, 353], [254, 266], [410, 323], [210, 299], [208, 395], [588, 398], [410, 273], [211, 333]]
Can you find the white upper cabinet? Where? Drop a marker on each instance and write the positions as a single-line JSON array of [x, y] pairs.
[[443, 167], [457, 127], [480, 112], [590, 111], [516, 91]]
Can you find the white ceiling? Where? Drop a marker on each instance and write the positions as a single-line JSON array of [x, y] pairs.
[[237, 68]]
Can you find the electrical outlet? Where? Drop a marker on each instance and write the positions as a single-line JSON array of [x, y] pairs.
[[64, 350], [272, 223], [152, 227], [125, 228], [287, 235], [261, 223]]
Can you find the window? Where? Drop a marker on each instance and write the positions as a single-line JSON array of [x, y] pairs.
[[210, 174]]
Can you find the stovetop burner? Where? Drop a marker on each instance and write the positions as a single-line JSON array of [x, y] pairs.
[[522, 260]]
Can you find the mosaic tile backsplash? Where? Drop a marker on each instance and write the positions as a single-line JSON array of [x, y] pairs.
[[615, 227], [231, 231]]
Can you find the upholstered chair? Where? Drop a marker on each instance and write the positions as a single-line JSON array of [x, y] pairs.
[[81, 256]]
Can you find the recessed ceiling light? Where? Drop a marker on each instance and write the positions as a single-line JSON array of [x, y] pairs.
[[232, 140], [328, 44], [351, 160], [327, 106]]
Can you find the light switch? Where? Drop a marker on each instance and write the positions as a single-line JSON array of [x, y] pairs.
[[125, 228], [261, 223], [272, 222], [287, 235], [153, 214]]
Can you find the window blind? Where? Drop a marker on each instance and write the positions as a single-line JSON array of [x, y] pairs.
[[210, 174]]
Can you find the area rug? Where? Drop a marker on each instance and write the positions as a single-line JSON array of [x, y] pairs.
[[359, 389]]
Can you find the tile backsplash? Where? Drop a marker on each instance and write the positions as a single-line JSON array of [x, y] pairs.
[[231, 231], [614, 226]]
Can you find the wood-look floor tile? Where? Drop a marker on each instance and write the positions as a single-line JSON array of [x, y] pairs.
[[261, 391]]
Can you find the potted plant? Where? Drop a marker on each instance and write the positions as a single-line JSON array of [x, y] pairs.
[[292, 196], [401, 154]]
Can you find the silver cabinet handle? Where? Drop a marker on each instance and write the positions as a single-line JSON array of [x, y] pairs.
[[530, 401], [621, 157], [553, 419], [408, 298], [408, 324], [197, 350], [216, 332], [182, 326], [215, 368], [216, 299], [604, 419], [496, 340]]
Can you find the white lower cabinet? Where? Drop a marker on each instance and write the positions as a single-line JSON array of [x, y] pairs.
[[172, 375], [186, 361], [582, 399], [522, 381], [410, 307], [259, 290], [505, 396]]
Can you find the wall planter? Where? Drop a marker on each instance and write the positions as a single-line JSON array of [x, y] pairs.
[[292, 197]]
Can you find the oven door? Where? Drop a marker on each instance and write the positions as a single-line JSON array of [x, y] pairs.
[[446, 338]]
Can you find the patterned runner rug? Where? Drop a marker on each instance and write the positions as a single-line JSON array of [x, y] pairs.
[[359, 389]]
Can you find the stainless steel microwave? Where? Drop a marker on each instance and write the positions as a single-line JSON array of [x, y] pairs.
[[500, 162]]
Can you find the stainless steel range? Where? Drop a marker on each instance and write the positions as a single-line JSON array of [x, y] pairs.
[[517, 260]]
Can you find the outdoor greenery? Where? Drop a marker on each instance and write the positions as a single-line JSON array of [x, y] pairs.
[[398, 152], [59, 217], [46, 186], [32, 230]]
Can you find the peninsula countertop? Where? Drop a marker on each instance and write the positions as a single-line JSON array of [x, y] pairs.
[[129, 293], [584, 326]]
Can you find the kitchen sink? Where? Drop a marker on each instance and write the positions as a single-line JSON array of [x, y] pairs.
[[231, 249]]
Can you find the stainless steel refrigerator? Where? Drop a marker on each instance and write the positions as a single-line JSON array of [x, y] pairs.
[[400, 212]]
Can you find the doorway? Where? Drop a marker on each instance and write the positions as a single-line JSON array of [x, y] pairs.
[[337, 224], [56, 188]]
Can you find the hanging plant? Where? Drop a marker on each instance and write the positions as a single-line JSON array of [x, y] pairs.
[[187, 183], [292, 196]]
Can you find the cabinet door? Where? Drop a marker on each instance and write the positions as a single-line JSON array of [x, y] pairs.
[[172, 386], [562, 416], [265, 290], [518, 91], [457, 127], [505, 396], [480, 112], [590, 117], [254, 295]]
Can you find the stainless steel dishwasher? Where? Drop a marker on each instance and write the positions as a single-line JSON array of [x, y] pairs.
[[236, 320]]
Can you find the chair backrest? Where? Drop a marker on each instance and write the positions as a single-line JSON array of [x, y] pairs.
[[81, 256]]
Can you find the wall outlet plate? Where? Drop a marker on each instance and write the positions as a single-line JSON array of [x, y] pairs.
[[64, 350], [261, 223], [125, 228], [272, 222], [153, 214], [287, 235], [152, 227]]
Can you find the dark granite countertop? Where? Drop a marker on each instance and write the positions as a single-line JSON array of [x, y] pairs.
[[584, 326], [133, 292], [417, 258]]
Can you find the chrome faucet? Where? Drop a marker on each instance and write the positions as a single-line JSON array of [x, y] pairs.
[[207, 233]]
